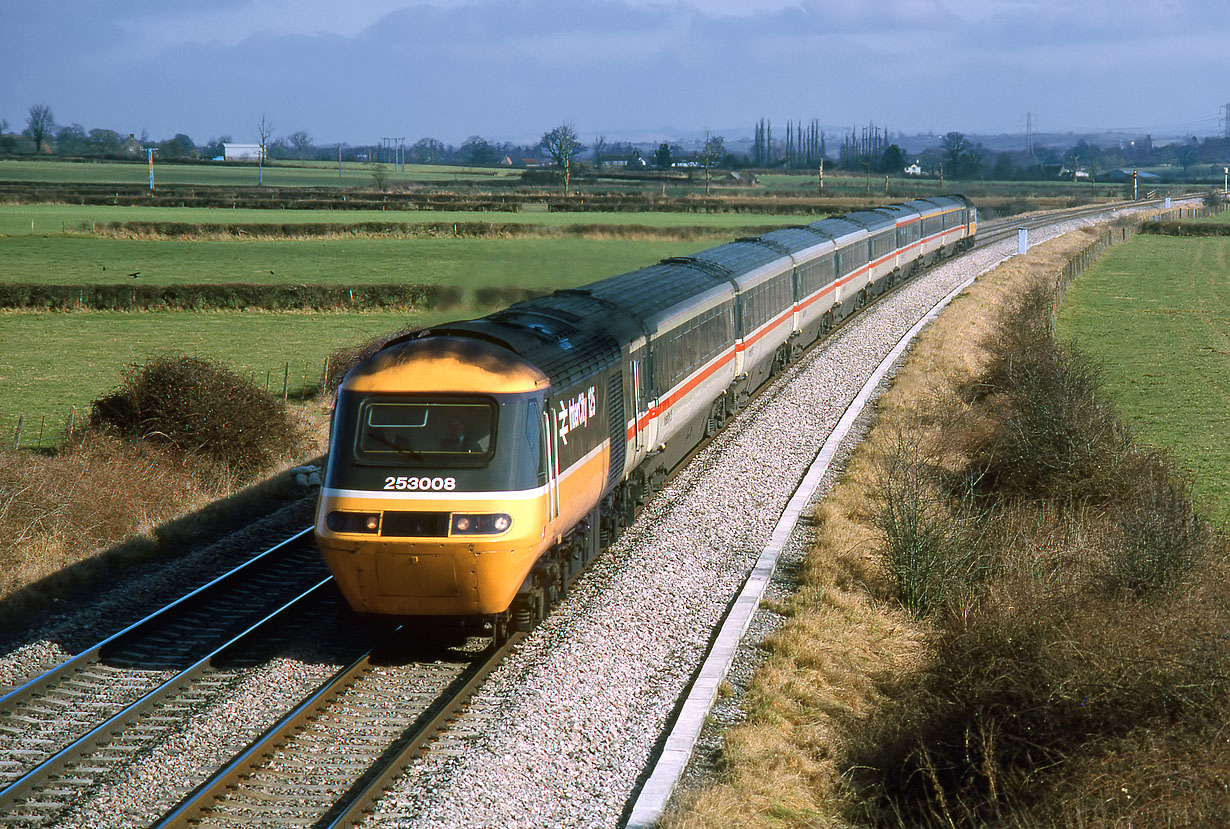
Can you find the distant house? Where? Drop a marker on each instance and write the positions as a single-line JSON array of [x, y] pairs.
[[241, 152], [914, 169], [624, 161], [132, 146]]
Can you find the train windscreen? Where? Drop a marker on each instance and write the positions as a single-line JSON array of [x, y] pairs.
[[439, 432]]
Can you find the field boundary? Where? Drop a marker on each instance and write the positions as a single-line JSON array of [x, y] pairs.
[[409, 230], [241, 296]]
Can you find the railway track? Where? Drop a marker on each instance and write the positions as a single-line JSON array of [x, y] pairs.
[[328, 759], [65, 730]]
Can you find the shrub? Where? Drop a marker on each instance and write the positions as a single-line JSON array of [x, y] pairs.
[[1056, 436], [1160, 534], [200, 410], [1039, 685], [931, 542]]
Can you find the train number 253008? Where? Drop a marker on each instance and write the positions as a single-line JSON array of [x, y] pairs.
[[420, 484]]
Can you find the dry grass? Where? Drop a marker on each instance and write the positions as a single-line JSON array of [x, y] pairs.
[[855, 684], [74, 518]]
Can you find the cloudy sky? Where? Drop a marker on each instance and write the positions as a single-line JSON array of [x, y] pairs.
[[360, 70]]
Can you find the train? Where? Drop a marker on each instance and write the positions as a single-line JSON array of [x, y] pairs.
[[475, 467]]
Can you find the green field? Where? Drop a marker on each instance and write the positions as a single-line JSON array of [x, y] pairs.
[[51, 362], [467, 263], [1155, 312], [273, 174], [45, 219]]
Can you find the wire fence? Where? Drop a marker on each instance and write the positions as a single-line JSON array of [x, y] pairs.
[[294, 383], [1114, 235]]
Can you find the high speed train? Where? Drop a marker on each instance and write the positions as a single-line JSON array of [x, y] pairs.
[[475, 466]]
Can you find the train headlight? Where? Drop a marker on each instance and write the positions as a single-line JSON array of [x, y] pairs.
[[469, 524], [353, 522]]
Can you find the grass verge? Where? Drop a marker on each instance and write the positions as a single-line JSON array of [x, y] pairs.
[[963, 653]]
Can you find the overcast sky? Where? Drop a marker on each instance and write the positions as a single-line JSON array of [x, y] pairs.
[[360, 70]]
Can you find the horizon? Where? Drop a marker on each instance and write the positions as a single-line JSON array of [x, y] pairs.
[[510, 71]]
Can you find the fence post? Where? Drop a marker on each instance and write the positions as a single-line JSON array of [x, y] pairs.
[[72, 417], [17, 436], [285, 382]]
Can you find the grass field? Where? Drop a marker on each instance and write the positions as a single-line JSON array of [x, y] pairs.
[[274, 174], [44, 219], [1156, 313], [49, 362], [467, 263]]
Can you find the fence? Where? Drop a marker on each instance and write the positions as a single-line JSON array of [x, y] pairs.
[[53, 430], [1113, 236]]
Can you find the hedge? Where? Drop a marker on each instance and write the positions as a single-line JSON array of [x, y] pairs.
[[226, 296]]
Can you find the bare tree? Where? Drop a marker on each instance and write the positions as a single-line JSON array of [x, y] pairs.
[[264, 129], [563, 146], [599, 149], [39, 124], [715, 149], [380, 177], [302, 142]]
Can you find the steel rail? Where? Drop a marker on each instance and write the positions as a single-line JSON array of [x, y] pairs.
[[26, 691], [367, 785], [98, 736]]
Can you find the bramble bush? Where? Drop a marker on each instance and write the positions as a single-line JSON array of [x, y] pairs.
[[201, 411]]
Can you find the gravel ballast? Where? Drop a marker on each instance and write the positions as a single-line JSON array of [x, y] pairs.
[[585, 699], [572, 719]]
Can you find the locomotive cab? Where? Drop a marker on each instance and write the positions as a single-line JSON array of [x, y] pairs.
[[435, 493]]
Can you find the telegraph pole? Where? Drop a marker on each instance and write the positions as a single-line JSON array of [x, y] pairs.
[[150, 152]]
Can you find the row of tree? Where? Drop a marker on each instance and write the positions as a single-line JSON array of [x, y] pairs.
[[804, 146]]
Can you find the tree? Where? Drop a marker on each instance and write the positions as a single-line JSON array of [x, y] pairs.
[[264, 129], [105, 142], [380, 177], [599, 149], [427, 151], [301, 141], [39, 124], [181, 146], [563, 146], [476, 151], [71, 140], [1004, 169], [714, 150], [662, 156], [956, 147], [892, 160]]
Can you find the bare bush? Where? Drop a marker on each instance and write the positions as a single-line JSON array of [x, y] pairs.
[[201, 411], [1160, 534], [1056, 435], [57, 510], [931, 539]]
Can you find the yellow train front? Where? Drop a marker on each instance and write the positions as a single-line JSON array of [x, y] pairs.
[[456, 466]]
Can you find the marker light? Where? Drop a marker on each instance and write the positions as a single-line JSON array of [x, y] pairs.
[[464, 524], [353, 522]]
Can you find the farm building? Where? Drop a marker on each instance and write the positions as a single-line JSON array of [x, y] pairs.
[[241, 152]]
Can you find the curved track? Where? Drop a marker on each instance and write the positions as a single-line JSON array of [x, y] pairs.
[[64, 730]]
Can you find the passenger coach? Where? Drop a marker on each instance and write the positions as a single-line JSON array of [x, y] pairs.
[[474, 466]]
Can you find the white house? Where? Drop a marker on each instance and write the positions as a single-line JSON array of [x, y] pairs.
[[241, 152], [913, 170]]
